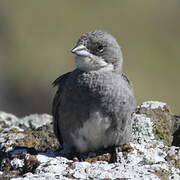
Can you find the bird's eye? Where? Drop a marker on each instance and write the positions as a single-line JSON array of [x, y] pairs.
[[100, 48]]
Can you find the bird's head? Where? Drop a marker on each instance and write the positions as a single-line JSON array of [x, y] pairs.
[[98, 50]]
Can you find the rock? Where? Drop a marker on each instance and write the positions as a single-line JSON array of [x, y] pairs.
[[7, 120], [28, 150], [162, 119], [26, 134], [142, 128], [22, 138], [35, 121]]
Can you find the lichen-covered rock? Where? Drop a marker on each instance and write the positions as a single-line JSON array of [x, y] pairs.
[[14, 165], [35, 121], [162, 119], [41, 139], [28, 150], [142, 128], [143, 162], [24, 137], [7, 120]]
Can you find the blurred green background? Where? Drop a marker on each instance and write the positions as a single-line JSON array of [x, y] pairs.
[[36, 38]]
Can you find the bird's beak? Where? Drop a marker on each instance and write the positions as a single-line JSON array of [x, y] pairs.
[[80, 50]]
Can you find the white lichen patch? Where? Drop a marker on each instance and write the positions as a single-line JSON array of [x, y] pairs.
[[79, 170], [150, 154], [153, 105], [7, 119], [142, 128], [17, 163], [56, 165], [35, 121], [9, 136]]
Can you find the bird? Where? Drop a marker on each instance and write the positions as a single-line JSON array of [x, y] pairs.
[[93, 105]]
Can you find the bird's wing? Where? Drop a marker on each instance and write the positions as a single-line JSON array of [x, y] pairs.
[[60, 82], [125, 77]]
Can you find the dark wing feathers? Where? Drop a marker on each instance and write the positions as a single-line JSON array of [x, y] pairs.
[[125, 77], [60, 82]]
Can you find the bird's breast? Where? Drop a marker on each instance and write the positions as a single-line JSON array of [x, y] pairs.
[[91, 104], [94, 83]]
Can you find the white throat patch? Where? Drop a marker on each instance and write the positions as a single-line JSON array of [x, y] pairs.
[[92, 63]]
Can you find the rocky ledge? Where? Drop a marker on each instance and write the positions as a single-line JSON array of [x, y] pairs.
[[29, 149]]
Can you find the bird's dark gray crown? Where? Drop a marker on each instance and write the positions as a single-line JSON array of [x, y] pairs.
[[97, 41]]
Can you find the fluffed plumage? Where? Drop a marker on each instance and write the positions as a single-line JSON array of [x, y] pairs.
[[93, 105]]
